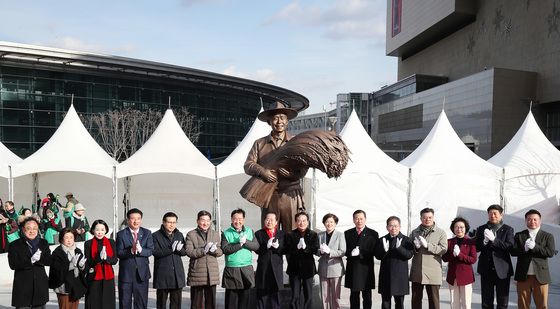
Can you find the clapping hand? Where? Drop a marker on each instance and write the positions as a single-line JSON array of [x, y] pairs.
[[489, 235], [174, 245], [138, 247], [399, 241], [36, 256], [529, 244], [103, 254], [325, 249], [81, 261], [301, 244], [275, 243], [456, 250], [207, 247], [269, 243], [417, 242], [213, 248], [423, 241], [356, 251], [242, 240], [179, 246], [385, 244]]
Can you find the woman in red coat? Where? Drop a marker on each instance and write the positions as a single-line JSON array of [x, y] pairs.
[[460, 255]]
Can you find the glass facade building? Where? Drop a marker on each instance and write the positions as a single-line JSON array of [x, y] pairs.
[[36, 84]]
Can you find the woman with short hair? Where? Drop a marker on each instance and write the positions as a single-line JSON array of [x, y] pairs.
[[331, 267]]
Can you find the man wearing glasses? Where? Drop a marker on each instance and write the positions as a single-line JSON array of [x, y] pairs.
[[169, 274]]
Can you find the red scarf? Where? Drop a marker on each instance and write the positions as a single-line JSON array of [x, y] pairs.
[[271, 233], [103, 270]]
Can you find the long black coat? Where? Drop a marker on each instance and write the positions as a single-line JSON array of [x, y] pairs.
[[393, 272], [169, 272], [497, 251], [302, 262], [31, 284], [59, 274], [360, 274], [269, 258]]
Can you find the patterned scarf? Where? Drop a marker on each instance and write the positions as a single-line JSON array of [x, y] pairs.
[[103, 270]]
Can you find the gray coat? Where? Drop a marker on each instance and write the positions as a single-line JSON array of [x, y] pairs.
[[203, 268], [331, 265], [169, 272], [426, 263]]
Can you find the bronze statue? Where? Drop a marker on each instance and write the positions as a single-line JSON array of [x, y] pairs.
[[279, 161]]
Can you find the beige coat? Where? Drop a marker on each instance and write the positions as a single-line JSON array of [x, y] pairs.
[[203, 268], [426, 262]]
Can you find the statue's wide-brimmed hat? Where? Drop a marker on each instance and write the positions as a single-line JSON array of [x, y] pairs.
[[277, 108]]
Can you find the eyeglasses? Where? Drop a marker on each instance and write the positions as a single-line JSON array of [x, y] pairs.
[[393, 225]]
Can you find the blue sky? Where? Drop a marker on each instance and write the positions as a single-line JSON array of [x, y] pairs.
[[316, 48]]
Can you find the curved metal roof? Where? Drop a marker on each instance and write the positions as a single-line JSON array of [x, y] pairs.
[[61, 59]]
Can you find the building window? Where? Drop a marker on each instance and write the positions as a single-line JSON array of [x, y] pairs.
[[397, 13]]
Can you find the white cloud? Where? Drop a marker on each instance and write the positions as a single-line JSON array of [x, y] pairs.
[[344, 19], [262, 75]]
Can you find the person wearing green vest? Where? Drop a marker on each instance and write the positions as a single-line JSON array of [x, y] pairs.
[[50, 226], [237, 243], [8, 225], [68, 210]]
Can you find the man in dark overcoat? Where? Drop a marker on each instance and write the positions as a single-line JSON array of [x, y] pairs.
[[169, 273], [269, 278], [494, 241], [393, 250], [360, 274]]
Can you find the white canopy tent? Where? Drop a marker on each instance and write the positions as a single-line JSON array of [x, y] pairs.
[[7, 159], [372, 181], [231, 177], [531, 171], [170, 174], [445, 174], [70, 151]]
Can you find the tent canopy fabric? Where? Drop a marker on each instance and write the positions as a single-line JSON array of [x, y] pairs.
[[233, 164], [7, 158], [168, 150], [528, 152], [372, 181], [70, 149], [445, 174]]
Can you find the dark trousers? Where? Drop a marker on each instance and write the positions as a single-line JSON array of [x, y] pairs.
[[137, 289], [433, 295], [268, 299], [355, 299], [237, 298], [175, 296], [386, 301], [490, 281], [298, 284], [203, 297]]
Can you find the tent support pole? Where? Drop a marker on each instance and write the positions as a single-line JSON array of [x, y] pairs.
[[10, 184], [409, 200], [35, 178], [217, 207], [314, 199], [502, 188], [115, 203]]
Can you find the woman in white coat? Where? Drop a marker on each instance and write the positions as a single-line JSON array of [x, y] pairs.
[[331, 267]]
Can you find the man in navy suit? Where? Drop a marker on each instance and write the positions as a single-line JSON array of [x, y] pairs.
[[494, 241], [134, 246]]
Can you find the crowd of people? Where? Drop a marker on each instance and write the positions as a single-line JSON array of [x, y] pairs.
[[74, 273]]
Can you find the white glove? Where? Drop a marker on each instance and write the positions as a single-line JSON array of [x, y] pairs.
[[385, 244], [399, 241], [174, 245], [82, 262], [213, 248], [74, 259], [529, 244], [489, 235], [275, 243], [301, 244], [242, 240], [456, 250], [417, 242], [356, 251], [325, 249], [207, 247], [179, 246], [423, 241], [138, 247], [269, 243], [36, 256], [103, 254]]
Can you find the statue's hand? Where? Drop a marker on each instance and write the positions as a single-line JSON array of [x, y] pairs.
[[269, 176], [284, 172]]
